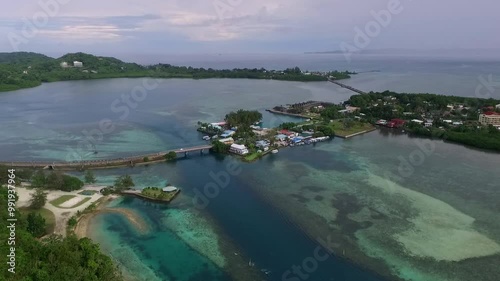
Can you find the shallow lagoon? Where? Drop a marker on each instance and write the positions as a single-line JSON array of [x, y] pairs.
[[379, 213]]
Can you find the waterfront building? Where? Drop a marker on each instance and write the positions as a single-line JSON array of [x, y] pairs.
[[239, 149], [490, 118]]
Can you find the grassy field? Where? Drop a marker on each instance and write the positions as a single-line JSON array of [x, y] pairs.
[[58, 201], [356, 127], [50, 219], [252, 156], [81, 203]]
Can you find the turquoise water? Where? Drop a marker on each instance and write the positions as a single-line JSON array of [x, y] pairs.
[[435, 219]]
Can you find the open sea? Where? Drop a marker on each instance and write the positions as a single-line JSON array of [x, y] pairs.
[[381, 206]]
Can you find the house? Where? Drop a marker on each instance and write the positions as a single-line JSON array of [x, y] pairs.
[[77, 63], [497, 106], [490, 118], [238, 149], [262, 144], [428, 124], [417, 121], [281, 137], [227, 140], [352, 109], [396, 123], [64, 64], [290, 134]]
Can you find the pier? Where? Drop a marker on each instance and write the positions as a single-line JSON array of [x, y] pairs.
[[106, 163], [347, 87]]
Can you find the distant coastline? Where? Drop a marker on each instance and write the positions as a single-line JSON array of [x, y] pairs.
[[27, 70]]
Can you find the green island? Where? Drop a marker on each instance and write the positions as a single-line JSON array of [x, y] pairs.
[[160, 194], [25, 70]]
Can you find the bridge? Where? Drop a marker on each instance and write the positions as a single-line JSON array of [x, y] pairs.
[[106, 163], [347, 87]]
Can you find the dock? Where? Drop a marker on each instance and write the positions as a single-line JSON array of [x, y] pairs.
[[106, 163]]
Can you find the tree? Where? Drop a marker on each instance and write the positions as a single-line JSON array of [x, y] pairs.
[[219, 147], [124, 182], [54, 181], [38, 179], [89, 177], [72, 221], [36, 224], [170, 156], [38, 199]]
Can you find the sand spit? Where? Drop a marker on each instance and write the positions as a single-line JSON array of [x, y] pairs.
[[83, 227]]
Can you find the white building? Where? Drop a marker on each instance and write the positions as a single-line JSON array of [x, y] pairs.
[[78, 64], [238, 149], [64, 64]]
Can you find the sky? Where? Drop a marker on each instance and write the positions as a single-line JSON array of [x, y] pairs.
[[118, 27]]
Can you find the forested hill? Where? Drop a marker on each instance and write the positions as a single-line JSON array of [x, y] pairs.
[[24, 70]]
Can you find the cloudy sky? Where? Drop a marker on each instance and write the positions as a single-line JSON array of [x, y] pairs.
[[242, 26]]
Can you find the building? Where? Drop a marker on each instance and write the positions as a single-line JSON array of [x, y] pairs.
[[490, 118], [262, 144], [238, 149], [281, 137], [396, 123], [497, 106], [64, 64], [78, 64], [227, 140], [227, 134], [170, 189]]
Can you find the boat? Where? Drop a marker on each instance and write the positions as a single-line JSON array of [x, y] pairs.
[[206, 138], [251, 263], [274, 151]]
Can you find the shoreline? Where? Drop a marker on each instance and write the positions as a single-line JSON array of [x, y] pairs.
[[152, 77], [83, 227]]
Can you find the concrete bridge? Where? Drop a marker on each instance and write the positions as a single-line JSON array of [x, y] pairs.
[[106, 163], [347, 87]]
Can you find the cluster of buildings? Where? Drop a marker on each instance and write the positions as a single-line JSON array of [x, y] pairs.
[[290, 138]]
